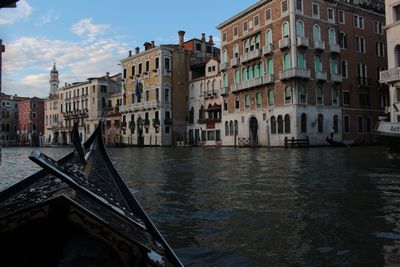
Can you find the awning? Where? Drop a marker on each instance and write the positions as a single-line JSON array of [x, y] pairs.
[[214, 108]]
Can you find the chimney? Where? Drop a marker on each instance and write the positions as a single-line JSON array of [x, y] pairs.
[[66, 84], [181, 38], [130, 53], [153, 43], [203, 37], [107, 75], [210, 40], [137, 50]]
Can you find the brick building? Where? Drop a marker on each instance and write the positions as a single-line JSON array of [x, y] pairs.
[[31, 121], [9, 119], [298, 68]]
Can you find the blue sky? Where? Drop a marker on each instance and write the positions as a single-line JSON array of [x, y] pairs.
[[88, 38]]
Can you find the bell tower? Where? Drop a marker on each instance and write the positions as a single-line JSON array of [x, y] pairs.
[[54, 81]]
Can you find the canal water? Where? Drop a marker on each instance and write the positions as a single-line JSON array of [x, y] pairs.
[[261, 207]]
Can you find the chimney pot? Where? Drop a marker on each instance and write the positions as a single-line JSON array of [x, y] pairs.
[[181, 38], [153, 43], [210, 40], [130, 53], [203, 37], [137, 50]]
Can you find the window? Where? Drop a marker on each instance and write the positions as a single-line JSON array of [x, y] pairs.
[[280, 124], [287, 123], [226, 128], [345, 69], [317, 63], [362, 74], [360, 44], [34, 115], [147, 66], [358, 21], [166, 94], [378, 27], [341, 17], [235, 31], [256, 21], [346, 124], [140, 68], [342, 40], [273, 125], [320, 96], [244, 74], [288, 95], [285, 29], [245, 26], [268, 37], [225, 105], [303, 123], [271, 97], [300, 28], [147, 95], [335, 97], [157, 63], [396, 13], [286, 61], [316, 33], [301, 63], [124, 74], [299, 5], [268, 14], [397, 56], [335, 123], [258, 100], [270, 64], [320, 123], [333, 65], [379, 49], [315, 10], [237, 79], [224, 37], [331, 15], [167, 64], [346, 98], [360, 123], [247, 101], [284, 6], [302, 95], [331, 36], [369, 124], [237, 103], [34, 105], [364, 100]]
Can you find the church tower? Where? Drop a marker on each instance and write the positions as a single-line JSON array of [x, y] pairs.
[[54, 82]]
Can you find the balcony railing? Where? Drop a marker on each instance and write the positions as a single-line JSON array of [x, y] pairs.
[[319, 45], [250, 55], [247, 84], [284, 43], [302, 41], [267, 49], [320, 76], [209, 120], [294, 73], [140, 106], [337, 78], [334, 48], [225, 90], [223, 66], [235, 62], [268, 78], [392, 75]]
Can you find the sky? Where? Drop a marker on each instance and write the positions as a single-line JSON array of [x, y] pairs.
[[87, 38]]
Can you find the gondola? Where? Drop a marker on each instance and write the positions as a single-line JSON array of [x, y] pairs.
[[337, 141], [78, 212]]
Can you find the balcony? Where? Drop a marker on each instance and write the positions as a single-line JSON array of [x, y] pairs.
[[320, 76], [294, 73], [168, 121], [223, 66], [140, 106], [302, 41], [337, 78], [284, 43], [268, 79], [209, 120], [235, 62], [250, 56], [156, 72], [334, 48], [247, 84], [267, 49], [319, 45], [388, 76], [225, 90]]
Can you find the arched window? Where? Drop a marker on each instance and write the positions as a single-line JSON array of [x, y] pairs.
[[225, 105], [237, 79], [287, 123], [250, 73], [316, 33], [201, 112], [268, 37], [244, 74], [271, 97], [285, 29], [303, 123], [258, 100], [335, 97], [299, 28], [236, 51], [237, 103], [301, 62], [226, 128], [225, 56], [252, 43], [270, 66], [320, 96], [261, 68], [343, 40], [236, 127], [286, 61], [302, 95], [397, 56], [335, 123], [245, 46], [256, 68], [331, 36], [273, 125], [225, 80], [202, 92], [247, 101], [317, 63], [208, 88], [231, 128], [345, 69], [320, 123], [257, 44], [334, 67], [280, 124], [191, 115], [288, 95]]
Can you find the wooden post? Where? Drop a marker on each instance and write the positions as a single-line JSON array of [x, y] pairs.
[[286, 142]]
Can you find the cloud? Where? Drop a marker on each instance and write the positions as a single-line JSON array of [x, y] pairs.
[[12, 15], [49, 17], [85, 26], [76, 61]]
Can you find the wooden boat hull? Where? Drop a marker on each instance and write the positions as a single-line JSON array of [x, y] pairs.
[[388, 133]]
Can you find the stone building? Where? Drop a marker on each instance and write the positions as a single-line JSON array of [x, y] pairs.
[[113, 127], [391, 76], [298, 69], [52, 110], [9, 133], [155, 94], [31, 121]]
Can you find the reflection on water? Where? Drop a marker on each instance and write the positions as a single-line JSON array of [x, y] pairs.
[[260, 207]]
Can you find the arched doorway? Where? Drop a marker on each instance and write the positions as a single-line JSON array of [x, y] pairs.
[[140, 137], [253, 126]]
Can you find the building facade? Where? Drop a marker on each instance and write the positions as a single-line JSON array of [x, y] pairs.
[[391, 76], [52, 110], [298, 69], [9, 134], [204, 109], [31, 121], [114, 127]]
